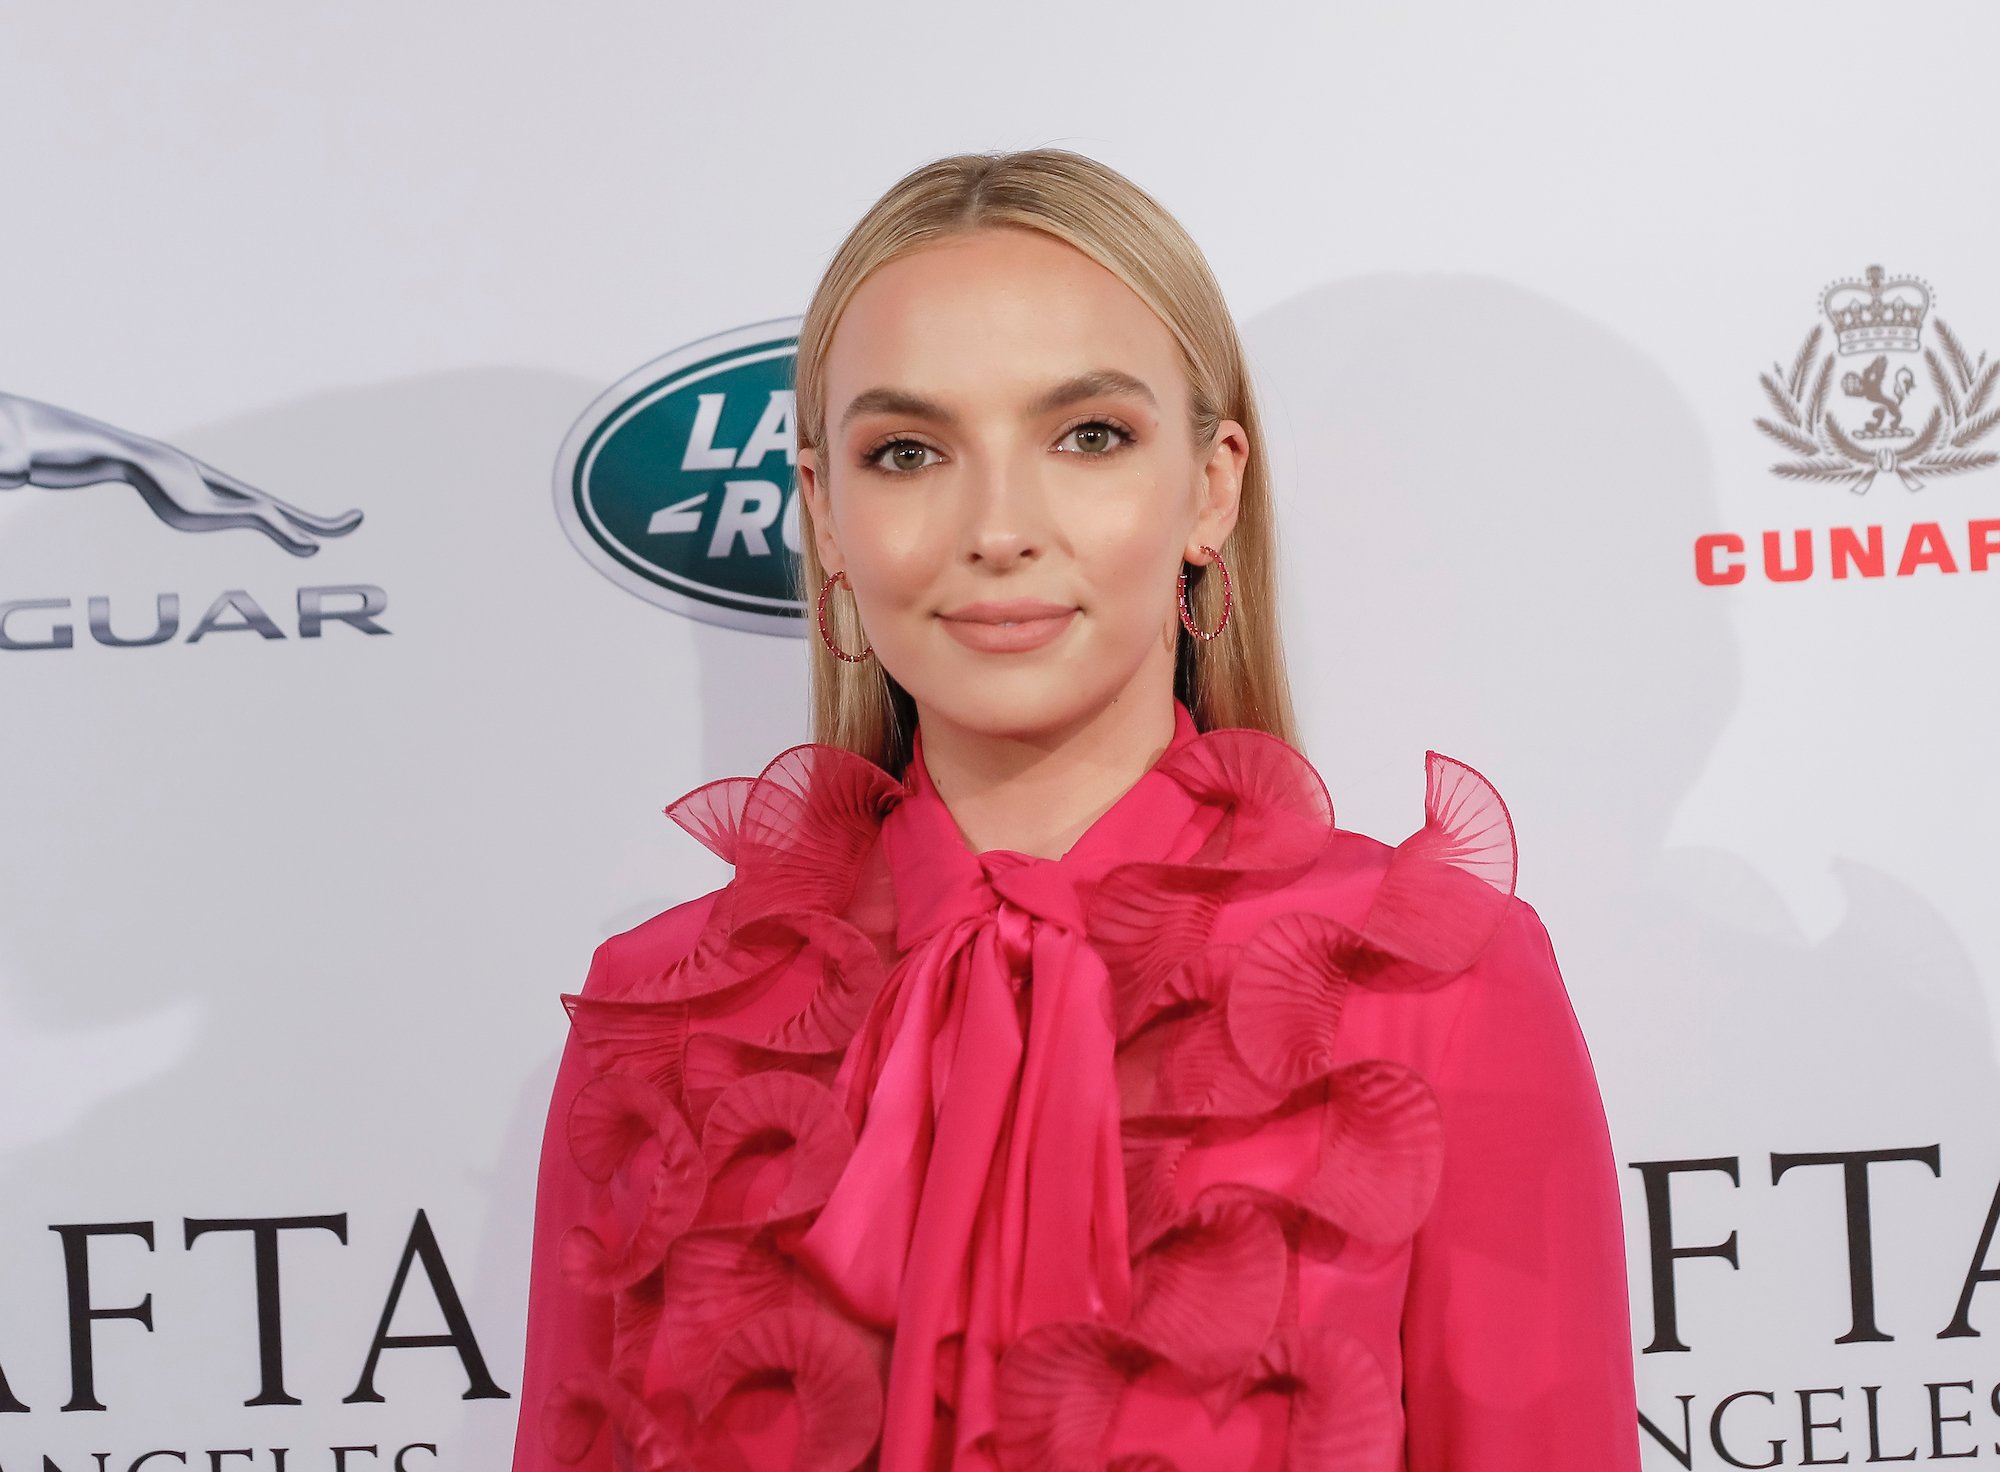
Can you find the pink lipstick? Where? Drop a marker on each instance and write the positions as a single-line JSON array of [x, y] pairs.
[[1009, 627]]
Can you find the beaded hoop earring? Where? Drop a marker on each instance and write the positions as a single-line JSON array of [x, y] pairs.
[[1228, 600], [825, 633]]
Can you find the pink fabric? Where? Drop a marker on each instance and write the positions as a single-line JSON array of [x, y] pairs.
[[1228, 1140]]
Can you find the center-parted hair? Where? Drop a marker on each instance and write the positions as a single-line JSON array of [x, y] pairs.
[[1236, 679]]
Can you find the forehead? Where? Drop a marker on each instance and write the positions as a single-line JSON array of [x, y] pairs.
[[997, 314]]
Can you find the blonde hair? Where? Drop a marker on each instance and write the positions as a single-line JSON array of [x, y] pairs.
[[1236, 679]]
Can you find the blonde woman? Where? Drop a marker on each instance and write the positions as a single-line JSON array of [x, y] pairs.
[[1054, 1085]]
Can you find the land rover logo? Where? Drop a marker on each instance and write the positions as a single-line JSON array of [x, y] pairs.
[[677, 482]]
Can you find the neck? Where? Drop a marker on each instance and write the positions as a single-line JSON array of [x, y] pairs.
[[1038, 793]]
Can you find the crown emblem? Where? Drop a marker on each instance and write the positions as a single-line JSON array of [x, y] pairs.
[[1917, 423], [1878, 315]]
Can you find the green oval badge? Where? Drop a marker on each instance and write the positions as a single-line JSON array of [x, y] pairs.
[[677, 482]]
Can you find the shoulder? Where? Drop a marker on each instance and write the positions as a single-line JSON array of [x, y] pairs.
[[621, 963], [1523, 944], [1516, 984], [1435, 915], [1444, 941], [793, 834], [1448, 883]]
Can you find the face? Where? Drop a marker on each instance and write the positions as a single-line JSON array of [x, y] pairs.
[[1011, 484]]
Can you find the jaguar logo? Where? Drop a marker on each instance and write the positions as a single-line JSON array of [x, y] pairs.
[[60, 449]]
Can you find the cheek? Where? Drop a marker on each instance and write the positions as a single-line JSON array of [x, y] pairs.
[[894, 551], [1130, 559]]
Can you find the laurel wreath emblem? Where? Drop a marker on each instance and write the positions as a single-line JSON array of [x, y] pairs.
[[1965, 414]]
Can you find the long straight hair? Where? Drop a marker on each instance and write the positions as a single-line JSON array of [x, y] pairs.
[[1236, 679]]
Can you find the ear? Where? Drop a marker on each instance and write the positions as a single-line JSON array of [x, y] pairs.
[[1221, 490], [813, 487]]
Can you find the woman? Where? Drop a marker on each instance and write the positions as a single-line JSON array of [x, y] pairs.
[[1054, 1086]]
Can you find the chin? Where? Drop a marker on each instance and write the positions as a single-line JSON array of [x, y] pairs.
[[1020, 704]]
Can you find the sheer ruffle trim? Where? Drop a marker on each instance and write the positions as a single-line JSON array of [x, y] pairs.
[[714, 1137], [711, 1128], [1247, 1141]]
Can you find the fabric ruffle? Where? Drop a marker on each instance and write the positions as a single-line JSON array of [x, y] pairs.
[[715, 1130]]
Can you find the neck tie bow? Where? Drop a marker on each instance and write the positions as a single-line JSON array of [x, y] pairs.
[[986, 1193]]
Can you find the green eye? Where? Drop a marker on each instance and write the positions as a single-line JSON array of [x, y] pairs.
[[1095, 437], [897, 451]]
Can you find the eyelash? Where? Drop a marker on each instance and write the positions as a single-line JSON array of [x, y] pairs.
[[872, 459]]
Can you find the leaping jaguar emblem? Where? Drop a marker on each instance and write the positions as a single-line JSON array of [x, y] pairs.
[[59, 449]]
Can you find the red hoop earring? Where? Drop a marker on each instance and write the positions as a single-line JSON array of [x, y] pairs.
[[1228, 600], [826, 634]]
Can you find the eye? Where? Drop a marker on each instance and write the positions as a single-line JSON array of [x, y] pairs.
[[1095, 435], [899, 452]]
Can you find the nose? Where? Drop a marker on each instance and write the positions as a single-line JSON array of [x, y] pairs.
[[1006, 512]]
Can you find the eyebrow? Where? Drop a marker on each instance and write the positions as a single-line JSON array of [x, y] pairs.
[[1097, 383]]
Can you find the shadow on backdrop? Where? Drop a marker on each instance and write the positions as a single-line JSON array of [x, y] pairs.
[[1489, 505]]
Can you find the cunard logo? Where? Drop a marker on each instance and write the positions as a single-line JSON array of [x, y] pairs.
[[1880, 388], [1854, 409]]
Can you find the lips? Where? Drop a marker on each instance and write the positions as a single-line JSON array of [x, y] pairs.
[[1011, 627]]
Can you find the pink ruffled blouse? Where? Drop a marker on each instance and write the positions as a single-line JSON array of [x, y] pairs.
[[1229, 1140]]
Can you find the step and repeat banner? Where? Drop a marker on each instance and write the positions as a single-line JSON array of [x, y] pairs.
[[396, 511]]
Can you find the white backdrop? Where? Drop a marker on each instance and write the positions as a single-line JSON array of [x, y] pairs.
[[284, 916]]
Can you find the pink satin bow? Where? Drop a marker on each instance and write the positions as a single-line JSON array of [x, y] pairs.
[[986, 1192]]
